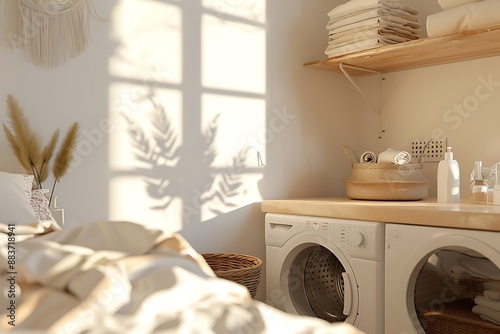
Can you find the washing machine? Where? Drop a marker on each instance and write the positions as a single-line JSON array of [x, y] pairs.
[[433, 277], [328, 268]]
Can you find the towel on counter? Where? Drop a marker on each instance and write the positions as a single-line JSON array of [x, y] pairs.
[[487, 314], [470, 16], [447, 4]]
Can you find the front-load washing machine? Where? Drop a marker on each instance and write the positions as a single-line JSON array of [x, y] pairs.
[[436, 279], [328, 268]]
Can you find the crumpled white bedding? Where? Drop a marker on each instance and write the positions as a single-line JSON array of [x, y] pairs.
[[121, 277]]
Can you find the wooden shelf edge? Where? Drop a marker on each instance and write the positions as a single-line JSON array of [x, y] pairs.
[[466, 45]]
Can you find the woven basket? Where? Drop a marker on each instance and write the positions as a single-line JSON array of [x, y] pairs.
[[239, 268]]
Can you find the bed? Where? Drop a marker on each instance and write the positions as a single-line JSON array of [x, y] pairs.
[[123, 277]]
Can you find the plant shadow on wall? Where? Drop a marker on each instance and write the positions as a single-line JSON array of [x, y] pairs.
[[158, 152]]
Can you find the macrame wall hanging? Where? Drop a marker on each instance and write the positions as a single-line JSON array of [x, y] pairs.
[[54, 31]]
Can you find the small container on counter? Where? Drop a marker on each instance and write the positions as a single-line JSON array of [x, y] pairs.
[[478, 187]]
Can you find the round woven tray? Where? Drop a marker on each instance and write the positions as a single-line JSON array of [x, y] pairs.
[[240, 268]]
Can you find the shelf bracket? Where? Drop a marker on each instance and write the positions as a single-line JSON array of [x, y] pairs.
[[375, 107]]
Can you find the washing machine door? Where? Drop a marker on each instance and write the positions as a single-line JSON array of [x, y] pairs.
[[433, 276], [317, 280]]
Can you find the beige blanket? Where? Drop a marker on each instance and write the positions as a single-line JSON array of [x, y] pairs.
[[121, 277]]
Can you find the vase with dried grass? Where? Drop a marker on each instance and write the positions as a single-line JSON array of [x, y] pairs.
[[25, 145]]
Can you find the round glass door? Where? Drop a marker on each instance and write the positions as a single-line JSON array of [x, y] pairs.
[[317, 283], [457, 290]]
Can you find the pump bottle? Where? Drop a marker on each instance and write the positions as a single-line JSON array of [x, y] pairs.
[[448, 179]]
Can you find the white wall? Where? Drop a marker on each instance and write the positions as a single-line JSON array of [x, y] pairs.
[[241, 60]]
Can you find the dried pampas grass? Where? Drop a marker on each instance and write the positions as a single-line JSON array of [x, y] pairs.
[[64, 156], [27, 149]]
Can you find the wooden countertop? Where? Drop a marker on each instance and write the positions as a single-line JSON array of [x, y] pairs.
[[425, 212]]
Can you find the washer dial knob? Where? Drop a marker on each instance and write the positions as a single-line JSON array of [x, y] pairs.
[[357, 238]]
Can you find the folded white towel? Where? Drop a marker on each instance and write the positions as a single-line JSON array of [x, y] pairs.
[[384, 21], [487, 313], [369, 31], [336, 22], [492, 294], [492, 304], [465, 17], [368, 34], [447, 4], [360, 46], [358, 5], [458, 263]]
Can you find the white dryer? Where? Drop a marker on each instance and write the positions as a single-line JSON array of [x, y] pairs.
[[328, 268], [433, 276]]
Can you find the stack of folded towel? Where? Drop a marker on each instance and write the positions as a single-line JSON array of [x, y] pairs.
[[488, 305], [366, 24], [463, 15]]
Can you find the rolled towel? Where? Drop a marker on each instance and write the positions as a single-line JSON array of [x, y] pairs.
[[492, 304], [487, 313], [470, 16], [395, 157], [368, 157], [447, 4]]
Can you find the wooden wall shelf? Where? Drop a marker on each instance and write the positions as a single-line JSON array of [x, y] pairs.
[[468, 45]]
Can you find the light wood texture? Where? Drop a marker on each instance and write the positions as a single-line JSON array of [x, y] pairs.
[[468, 45], [426, 212]]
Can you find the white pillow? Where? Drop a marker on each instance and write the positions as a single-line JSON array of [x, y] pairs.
[[15, 207]]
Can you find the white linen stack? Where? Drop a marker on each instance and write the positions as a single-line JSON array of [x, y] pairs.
[[488, 305], [463, 15], [366, 24]]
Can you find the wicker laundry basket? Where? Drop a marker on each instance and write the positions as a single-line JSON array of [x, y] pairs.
[[240, 268]]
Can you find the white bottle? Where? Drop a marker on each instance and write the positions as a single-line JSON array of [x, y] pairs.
[[448, 179]]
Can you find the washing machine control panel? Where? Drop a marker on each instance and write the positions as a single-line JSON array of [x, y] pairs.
[[362, 240]]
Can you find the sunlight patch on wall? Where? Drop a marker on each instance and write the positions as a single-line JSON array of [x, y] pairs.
[[254, 10], [239, 123], [233, 56], [131, 202], [149, 37], [139, 114]]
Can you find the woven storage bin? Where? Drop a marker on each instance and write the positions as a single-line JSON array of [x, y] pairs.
[[240, 268], [386, 181], [453, 315]]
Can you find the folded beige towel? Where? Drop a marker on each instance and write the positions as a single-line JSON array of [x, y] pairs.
[[492, 294], [337, 22], [383, 20], [465, 17], [487, 313], [354, 6], [492, 304]]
